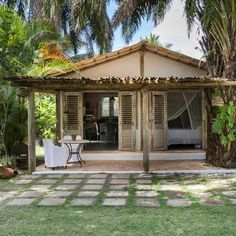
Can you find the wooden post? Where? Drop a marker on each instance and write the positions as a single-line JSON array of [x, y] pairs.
[[145, 128], [31, 133], [58, 117]]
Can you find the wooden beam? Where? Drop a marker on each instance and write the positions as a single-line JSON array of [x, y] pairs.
[[58, 117], [31, 133], [141, 62], [145, 129]]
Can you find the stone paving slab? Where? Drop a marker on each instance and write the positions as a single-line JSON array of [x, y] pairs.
[[178, 202], [171, 187], [72, 181], [119, 187], [120, 176], [229, 193], [13, 187], [117, 194], [76, 176], [211, 202], [47, 181], [232, 201], [59, 194], [55, 176], [98, 176], [96, 181], [143, 176], [114, 202], [66, 187], [21, 201], [119, 181], [30, 194], [88, 194], [83, 201], [202, 194], [143, 181], [174, 194], [52, 202], [197, 187], [147, 202], [144, 187], [146, 194], [24, 181], [41, 187], [30, 176], [5, 195], [92, 187]]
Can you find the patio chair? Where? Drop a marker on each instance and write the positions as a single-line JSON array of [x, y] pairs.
[[54, 156], [74, 146]]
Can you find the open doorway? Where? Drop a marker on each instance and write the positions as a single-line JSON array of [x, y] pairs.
[[101, 121], [184, 115]]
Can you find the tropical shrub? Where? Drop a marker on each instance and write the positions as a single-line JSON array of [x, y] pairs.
[[45, 115], [224, 124]]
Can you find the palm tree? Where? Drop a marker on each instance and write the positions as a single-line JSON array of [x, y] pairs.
[[154, 39], [79, 19], [218, 24]]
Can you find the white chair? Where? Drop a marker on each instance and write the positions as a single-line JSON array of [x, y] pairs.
[[54, 156], [74, 147]]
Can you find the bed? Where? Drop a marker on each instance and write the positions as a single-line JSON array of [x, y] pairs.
[[184, 136]]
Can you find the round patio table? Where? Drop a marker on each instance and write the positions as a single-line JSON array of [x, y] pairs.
[[79, 144]]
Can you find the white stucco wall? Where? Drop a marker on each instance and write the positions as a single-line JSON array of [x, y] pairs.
[[159, 66], [120, 67]]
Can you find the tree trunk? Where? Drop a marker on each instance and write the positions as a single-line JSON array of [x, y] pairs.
[[217, 154], [36, 9]]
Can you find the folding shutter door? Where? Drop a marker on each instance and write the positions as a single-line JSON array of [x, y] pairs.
[[158, 120], [127, 120], [73, 113]]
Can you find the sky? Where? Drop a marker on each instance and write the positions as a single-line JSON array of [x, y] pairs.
[[173, 29]]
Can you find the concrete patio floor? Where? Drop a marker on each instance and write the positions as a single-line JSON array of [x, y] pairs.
[[106, 165], [149, 190]]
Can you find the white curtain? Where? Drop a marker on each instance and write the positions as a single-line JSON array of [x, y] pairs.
[[180, 103]]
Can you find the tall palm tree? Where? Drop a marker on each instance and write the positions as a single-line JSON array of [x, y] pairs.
[[81, 19]]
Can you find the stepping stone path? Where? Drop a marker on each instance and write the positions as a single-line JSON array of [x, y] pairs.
[[114, 202], [178, 202], [83, 201], [146, 194], [115, 189], [52, 202], [21, 201], [148, 202]]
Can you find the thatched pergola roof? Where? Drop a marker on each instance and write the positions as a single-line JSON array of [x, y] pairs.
[[114, 83]]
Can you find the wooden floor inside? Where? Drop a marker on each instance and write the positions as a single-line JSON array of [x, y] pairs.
[[106, 165]]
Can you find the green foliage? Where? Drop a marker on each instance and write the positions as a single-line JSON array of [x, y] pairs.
[[15, 55], [45, 115], [8, 160], [225, 124]]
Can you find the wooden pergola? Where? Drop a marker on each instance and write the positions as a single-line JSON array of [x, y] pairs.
[[27, 86]]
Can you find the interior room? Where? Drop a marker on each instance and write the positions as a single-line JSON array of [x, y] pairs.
[[184, 115], [101, 121]]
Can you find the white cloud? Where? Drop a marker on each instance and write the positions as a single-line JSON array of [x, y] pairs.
[[174, 30]]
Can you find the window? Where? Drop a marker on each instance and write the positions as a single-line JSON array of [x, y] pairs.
[[106, 103]]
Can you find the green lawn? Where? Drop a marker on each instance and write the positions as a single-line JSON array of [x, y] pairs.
[[118, 221], [125, 220]]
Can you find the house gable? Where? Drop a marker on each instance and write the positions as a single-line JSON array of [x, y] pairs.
[[141, 59]]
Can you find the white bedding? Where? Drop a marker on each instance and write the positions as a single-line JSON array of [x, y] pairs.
[[184, 136]]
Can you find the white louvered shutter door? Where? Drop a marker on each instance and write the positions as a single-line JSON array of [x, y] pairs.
[[159, 120], [73, 113], [127, 120]]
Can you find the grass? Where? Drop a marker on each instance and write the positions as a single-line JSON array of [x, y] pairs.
[[39, 153], [118, 221], [125, 220]]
